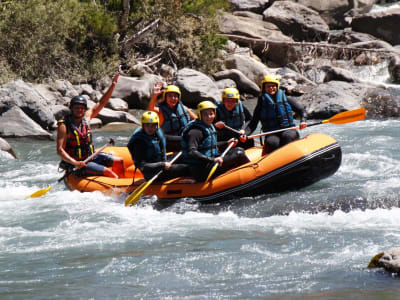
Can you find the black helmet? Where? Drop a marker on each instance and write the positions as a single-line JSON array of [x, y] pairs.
[[78, 100]]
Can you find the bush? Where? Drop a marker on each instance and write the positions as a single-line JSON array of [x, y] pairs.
[[58, 39]]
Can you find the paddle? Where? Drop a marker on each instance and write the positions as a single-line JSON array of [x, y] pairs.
[[340, 118], [214, 168], [42, 192], [137, 193]]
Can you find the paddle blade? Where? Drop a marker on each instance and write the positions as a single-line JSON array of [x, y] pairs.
[[347, 116], [212, 172], [40, 193], [136, 194]]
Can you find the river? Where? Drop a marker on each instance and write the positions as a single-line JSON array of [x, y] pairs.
[[312, 243]]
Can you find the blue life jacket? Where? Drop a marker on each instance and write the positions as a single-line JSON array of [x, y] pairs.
[[208, 145], [155, 144], [174, 121], [234, 118], [275, 114]]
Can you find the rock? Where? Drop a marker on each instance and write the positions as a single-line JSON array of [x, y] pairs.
[[381, 103], [244, 84], [196, 87], [5, 146], [95, 123], [389, 260], [394, 69], [136, 92], [225, 83], [20, 94], [107, 115], [15, 123], [331, 98], [59, 111], [140, 70], [293, 82], [251, 68], [256, 6], [297, 21], [119, 126], [381, 24], [117, 104]]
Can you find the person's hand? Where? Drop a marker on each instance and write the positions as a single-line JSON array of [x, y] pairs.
[[219, 125], [219, 160], [241, 131], [157, 90], [234, 141], [303, 125], [167, 166], [243, 138], [80, 164]]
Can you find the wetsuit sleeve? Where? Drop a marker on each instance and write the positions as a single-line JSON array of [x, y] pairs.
[[172, 138], [137, 150], [195, 136], [255, 119], [298, 108]]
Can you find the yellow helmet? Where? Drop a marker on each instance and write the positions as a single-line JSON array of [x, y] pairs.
[[270, 78], [230, 93], [204, 105], [171, 89], [150, 117]]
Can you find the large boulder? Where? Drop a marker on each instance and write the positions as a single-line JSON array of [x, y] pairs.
[[297, 21], [381, 24], [136, 92], [196, 87], [15, 123], [26, 97], [244, 84], [394, 69], [256, 6]]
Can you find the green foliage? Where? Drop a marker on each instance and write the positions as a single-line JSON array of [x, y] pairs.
[[55, 39], [77, 40]]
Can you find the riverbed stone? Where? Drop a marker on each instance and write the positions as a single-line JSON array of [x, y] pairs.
[[389, 260]]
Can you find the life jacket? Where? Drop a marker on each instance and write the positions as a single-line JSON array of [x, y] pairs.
[[155, 144], [79, 142], [208, 145], [275, 114], [174, 121], [234, 118]]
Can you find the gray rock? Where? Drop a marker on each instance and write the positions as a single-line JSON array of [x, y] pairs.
[[15, 123], [251, 68], [389, 260], [5, 146], [257, 6], [107, 115], [225, 83], [117, 104], [394, 69], [196, 87], [244, 84]]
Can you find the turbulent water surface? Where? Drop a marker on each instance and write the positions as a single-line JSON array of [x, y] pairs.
[[312, 243]]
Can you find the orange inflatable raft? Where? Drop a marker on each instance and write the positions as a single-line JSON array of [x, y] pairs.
[[296, 165]]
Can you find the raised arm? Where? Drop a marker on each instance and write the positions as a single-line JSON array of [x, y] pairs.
[[94, 111]]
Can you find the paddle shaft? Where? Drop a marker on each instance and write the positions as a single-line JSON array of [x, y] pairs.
[[217, 164], [340, 118], [111, 142], [135, 195]]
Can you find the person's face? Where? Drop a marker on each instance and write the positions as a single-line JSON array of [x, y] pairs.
[[230, 103], [270, 88], [150, 128], [208, 115], [172, 99], [78, 110]]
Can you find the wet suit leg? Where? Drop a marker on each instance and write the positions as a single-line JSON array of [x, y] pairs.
[[275, 141], [177, 170], [234, 158]]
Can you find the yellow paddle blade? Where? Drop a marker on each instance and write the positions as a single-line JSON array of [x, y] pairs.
[[212, 172], [347, 116], [40, 193], [137, 193]]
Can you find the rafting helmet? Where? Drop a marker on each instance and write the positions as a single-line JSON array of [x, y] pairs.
[[205, 105], [150, 117], [232, 93], [171, 89], [270, 78], [78, 100]]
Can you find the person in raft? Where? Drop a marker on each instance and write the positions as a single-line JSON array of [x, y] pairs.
[[172, 113], [148, 150], [275, 111], [75, 143], [231, 112], [200, 147]]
